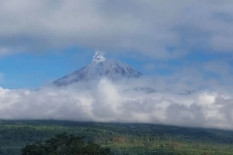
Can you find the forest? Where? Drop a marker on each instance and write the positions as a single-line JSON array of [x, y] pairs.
[[120, 138]]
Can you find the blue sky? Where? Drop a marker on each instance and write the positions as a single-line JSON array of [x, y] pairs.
[[182, 41], [27, 70]]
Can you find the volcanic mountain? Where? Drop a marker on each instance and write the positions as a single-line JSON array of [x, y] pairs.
[[100, 67]]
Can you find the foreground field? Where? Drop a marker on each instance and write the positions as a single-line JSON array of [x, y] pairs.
[[121, 138]]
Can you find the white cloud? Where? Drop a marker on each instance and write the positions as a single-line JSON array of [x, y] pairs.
[[150, 27], [117, 102]]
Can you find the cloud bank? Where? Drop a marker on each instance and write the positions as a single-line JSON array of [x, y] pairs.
[[162, 29], [117, 102]]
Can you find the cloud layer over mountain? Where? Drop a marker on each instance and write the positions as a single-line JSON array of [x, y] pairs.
[[162, 29], [167, 31], [117, 102]]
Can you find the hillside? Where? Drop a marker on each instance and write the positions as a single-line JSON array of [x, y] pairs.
[[121, 138]]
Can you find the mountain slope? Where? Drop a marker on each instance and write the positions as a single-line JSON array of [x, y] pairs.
[[100, 68]]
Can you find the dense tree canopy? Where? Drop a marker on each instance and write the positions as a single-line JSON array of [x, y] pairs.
[[64, 144]]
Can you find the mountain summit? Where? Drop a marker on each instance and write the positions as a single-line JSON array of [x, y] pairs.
[[100, 67]]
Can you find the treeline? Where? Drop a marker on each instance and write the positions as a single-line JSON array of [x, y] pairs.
[[64, 144], [120, 138]]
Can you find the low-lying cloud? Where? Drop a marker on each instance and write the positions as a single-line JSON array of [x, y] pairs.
[[133, 102]]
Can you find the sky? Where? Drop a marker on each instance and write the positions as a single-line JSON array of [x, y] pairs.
[[44, 40], [180, 45]]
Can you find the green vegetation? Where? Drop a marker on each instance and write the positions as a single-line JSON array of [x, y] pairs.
[[120, 138], [64, 144]]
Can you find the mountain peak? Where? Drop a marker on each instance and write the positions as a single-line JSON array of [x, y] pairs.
[[98, 57], [100, 68]]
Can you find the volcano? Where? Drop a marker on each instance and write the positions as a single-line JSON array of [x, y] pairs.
[[100, 67]]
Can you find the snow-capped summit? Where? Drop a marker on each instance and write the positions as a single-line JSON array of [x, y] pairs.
[[99, 68], [98, 57]]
